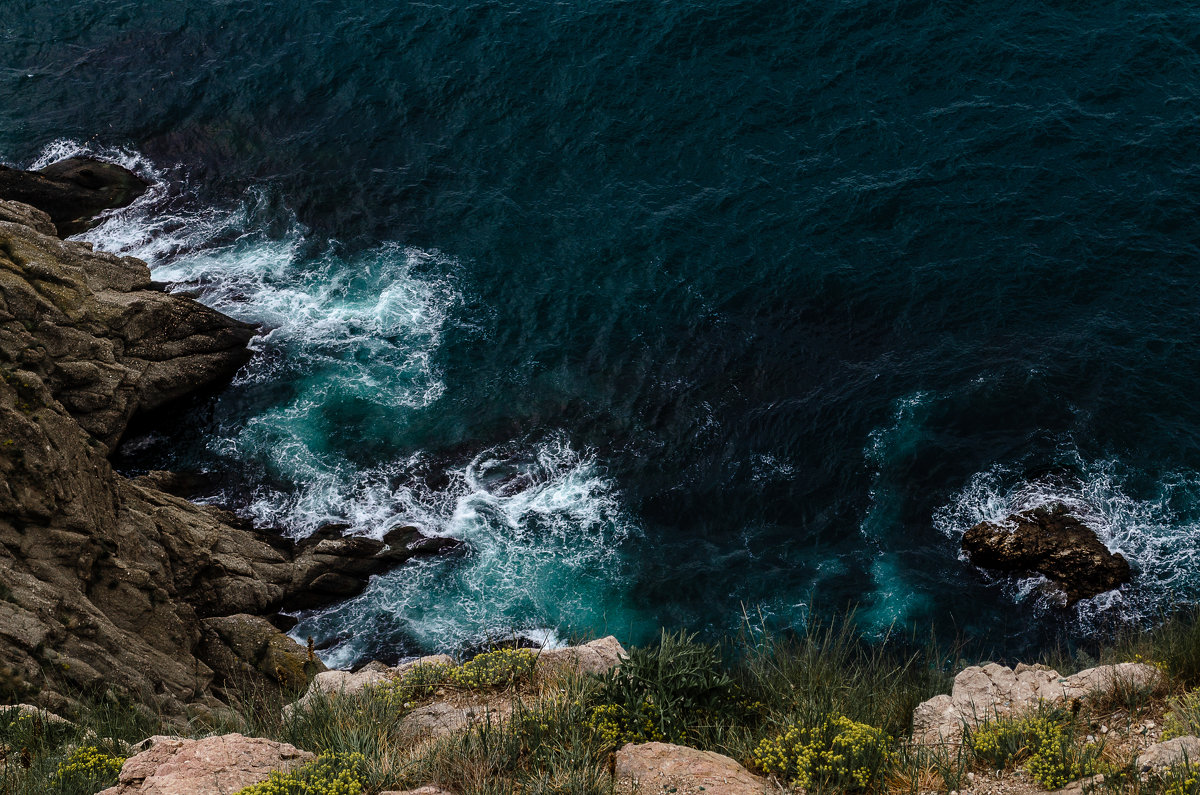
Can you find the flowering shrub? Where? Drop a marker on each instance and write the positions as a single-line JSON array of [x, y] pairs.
[[1054, 754], [330, 774], [1181, 780], [87, 769], [615, 725], [838, 754], [1184, 717], [498, 668]]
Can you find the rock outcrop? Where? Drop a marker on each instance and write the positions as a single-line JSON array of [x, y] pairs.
[[108, 584], [93, 329], [213, 766], [596, 657], [1049, 541], [1170, 753], [661, 767], [72, 192], [987, 692]]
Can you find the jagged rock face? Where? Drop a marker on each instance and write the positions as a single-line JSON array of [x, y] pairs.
[[103, 341], [1049, 541], [73, 191], [108, 584]]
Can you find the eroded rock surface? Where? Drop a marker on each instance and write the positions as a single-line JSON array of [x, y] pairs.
[[662, 767], [93, 330], [213, 766], [987, 692], [1051, 542]]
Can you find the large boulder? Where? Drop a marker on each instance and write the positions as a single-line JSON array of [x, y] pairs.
[[213, 766], [1170, 753], [72, 192], [661, 767], [596, 657], [988, 692], [1049, 541]]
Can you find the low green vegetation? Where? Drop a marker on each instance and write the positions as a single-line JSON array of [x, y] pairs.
[[822, 712]]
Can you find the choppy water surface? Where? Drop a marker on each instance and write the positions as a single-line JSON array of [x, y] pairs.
[[673, 313]]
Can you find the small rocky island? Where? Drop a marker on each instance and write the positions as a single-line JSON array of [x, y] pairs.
[[113, 586], [1048, 540]]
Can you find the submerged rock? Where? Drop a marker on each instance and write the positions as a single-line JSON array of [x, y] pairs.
[[1049, 541], [72, 192]]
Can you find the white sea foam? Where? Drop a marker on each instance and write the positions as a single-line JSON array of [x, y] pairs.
[[1158, 533], [544, 533], [541, 521]]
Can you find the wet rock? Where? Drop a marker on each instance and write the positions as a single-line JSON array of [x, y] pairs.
[[212, 766], [72, 192], [661, 767], [1049, 541]]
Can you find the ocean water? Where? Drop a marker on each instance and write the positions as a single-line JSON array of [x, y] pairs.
[[686, 313]]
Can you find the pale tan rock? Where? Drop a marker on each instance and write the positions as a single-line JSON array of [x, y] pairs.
[[596, 657], [213, 766], [1083, 786], [37, 713], [345, 683], [987, 692], [1169, 753], [432, 659], [441, 718], [419, 791], [662, 767]]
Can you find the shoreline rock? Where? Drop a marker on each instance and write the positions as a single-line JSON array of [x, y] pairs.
[[110, 584], [1049, 541], [72, 192]]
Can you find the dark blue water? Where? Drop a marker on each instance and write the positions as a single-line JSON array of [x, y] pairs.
[[675, 312]]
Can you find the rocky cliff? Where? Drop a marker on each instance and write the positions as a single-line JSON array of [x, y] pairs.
[[109, 585]]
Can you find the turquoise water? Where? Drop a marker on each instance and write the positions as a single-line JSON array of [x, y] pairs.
[[675, 313]]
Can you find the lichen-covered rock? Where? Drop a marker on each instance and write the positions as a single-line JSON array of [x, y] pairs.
[[1166, 754], [982, 693], [1049, 541], [597, 657], [213, 766], [661, 767], [72, 192]]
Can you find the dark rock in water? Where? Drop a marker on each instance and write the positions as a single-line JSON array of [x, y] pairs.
[[1049, 541], [329, 567], [73, 191]]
